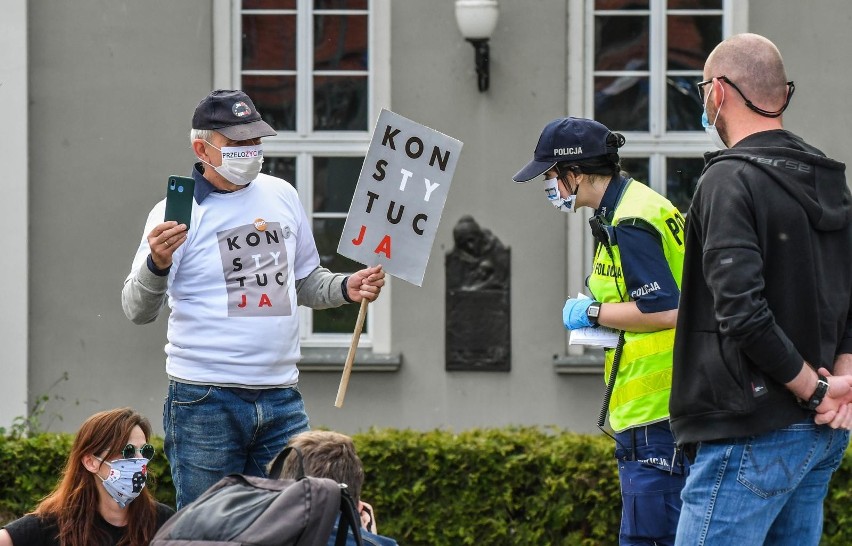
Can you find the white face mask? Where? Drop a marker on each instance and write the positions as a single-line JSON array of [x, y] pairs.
[[551, 191], [240, 164], [711, 130]]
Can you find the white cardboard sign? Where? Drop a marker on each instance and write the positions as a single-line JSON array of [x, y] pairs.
[[399, 197]]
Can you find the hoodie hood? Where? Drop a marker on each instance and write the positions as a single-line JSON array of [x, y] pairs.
[[816, 182]]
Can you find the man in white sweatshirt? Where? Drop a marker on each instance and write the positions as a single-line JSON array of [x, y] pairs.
[[233, 279]]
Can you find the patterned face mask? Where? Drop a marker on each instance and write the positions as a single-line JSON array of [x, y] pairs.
[[126, 479], [551, 191]]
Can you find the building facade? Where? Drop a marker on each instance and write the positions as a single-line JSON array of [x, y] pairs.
[[99, 96]]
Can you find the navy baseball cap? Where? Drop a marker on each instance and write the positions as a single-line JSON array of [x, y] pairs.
[[232, 113], [566, 139]]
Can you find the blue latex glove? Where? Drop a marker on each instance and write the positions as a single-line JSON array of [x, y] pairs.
[[574, 313]]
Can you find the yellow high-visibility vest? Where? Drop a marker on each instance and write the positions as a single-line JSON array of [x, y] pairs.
[[644, 378]]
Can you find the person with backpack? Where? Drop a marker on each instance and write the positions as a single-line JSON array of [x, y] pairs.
[[101, 499], [635, 287], [328, 454]]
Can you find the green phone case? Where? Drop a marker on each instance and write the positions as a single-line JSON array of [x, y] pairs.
[[179, 194]]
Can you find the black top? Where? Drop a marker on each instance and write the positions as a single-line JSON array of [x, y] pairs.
[[33, 531], [767, 282]]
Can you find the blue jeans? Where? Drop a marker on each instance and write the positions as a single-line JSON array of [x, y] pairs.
[[766, 489], [211, 432], [651, 480]]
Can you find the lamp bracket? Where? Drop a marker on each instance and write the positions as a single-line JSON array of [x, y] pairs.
[[480, 46]]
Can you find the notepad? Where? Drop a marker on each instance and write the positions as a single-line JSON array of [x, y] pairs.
[[593, 337]]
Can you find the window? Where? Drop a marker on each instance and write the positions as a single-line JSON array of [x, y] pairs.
[[643, 58], [632, 64], [318, 72]]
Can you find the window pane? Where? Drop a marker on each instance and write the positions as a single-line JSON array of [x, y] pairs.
[[636, 168], [695, 4], [269, 4], [622, 103], [269, 42], [275, 99], [334, 182], [340, 4], [691, 38], [327, 233], [621, 42], [282, 167], [340, 103], [682, 175], [340, 42], [621, 4], [683, 107], [338, 320]]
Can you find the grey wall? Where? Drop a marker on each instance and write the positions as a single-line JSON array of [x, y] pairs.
[[814, 40], [112, 88], [434, 83]]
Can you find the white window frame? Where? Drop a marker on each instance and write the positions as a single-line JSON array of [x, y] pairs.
[[304, 144], [655, 144]]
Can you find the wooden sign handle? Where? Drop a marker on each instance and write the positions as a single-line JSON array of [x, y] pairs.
[[350, 358]]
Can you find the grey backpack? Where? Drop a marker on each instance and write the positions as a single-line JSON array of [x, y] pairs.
[[246, 510]]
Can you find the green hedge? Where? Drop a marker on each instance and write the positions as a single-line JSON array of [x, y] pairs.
[[492, 486], [30, 468], [500, 486]]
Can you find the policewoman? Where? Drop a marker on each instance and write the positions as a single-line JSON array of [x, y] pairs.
[[634, 287]]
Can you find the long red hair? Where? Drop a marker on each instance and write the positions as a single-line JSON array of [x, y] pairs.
[[74, 501]]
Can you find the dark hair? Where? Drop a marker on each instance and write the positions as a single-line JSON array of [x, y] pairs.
[[603, 164]]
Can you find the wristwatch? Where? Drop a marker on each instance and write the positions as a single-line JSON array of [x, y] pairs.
[[592, 313], [818, 395]]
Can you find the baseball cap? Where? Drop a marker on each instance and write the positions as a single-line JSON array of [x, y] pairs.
[[232, 113], [566, 139]]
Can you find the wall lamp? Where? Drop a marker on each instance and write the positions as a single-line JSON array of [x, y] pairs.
[[477, 20]]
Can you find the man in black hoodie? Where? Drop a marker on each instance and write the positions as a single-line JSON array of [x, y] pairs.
[[763, 344]]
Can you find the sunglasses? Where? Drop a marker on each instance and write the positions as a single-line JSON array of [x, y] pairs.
[[130, 451]]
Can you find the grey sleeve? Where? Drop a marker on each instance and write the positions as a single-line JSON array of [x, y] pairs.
[[321, 289], [144, 295]]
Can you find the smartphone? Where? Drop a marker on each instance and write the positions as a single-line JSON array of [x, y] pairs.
[[179, 196]]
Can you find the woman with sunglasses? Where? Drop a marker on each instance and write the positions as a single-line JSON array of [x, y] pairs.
[[101, 499]]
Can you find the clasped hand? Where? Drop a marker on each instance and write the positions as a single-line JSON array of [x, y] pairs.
[[836, 408]]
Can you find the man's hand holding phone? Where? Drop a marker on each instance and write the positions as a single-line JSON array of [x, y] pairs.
[[368, 522], [168, 236], [163, 240]]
